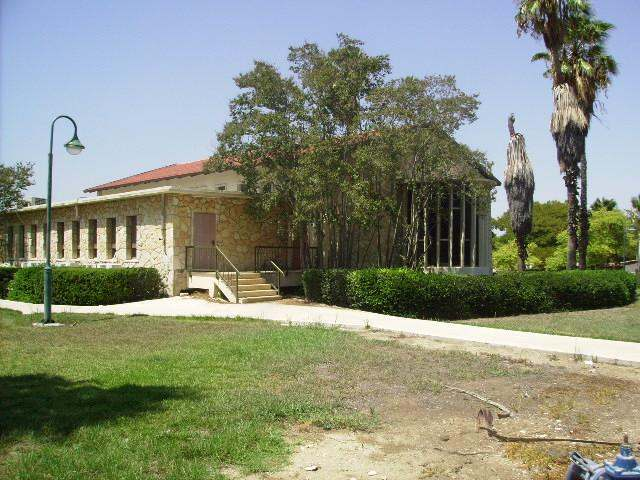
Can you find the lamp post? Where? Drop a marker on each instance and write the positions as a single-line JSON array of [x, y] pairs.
[[74, 147]]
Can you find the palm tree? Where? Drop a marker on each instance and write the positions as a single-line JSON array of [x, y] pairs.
[[519, 184], [549, 20], [604, 204], [591, 69]]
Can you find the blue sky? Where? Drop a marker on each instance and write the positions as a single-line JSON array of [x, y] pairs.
[[149, 82]]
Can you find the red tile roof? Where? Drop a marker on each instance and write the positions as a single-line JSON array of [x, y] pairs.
[[176, 170]]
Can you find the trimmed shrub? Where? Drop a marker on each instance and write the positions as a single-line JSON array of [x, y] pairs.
[[326, 286], [412, 293], [312, 284], [6, 275], [87, 286]]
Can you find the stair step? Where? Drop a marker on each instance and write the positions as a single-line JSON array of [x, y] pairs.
[[252, 286], [250, 275], [258, 293], [260, 299], [250, 281]]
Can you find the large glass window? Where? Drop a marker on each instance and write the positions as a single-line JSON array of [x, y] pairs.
[[451, 230]]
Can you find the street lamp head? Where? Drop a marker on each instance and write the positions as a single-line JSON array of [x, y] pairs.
[[74, 146]]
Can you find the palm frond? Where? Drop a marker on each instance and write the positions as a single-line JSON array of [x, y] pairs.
[[541, 56]]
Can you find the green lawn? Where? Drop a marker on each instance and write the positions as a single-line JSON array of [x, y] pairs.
[[613, 324], [140, 397]]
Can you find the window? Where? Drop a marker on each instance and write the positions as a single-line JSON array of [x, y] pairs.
[[20, 241], [33, 241], [451, 229], [132, 236], [111, 237], [10, 242], [93, 238], [75, 239], [221, 187], [45, 234], [60, 239]]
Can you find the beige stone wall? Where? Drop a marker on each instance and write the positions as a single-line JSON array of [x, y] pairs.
[[150, 239], [237, 232], [163, 248]]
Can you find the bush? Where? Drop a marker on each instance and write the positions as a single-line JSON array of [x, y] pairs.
[[6, 275], [87, 286], [412, 293]]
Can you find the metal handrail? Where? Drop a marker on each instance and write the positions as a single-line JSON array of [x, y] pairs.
[[225, 275], [284, 255], [280, 274]]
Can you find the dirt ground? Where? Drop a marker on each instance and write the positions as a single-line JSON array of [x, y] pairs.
[[434, 435]]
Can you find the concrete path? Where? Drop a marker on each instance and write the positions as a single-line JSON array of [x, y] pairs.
[[601, 350]]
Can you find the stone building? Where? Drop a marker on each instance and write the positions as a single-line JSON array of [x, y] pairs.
[[188, 224]]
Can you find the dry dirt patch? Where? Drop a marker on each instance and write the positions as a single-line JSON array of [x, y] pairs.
[[430, 432]]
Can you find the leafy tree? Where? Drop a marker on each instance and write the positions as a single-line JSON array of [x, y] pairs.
[[604, 203], [506, 258], [519, 184], [549, 218], [609, 243], [634, 212], [322, 150], [13, 182]]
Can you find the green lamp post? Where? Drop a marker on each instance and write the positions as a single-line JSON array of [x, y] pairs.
[[74, 147]]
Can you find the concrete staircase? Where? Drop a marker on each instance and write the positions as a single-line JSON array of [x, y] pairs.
[[253, 288]]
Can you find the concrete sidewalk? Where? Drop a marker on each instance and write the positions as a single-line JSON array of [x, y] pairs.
[[601, 350]]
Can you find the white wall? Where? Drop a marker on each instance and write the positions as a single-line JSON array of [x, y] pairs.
[[206, 181]]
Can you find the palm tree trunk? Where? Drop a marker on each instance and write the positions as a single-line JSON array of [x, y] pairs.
[[571, 183], [522, 253], [568, 127], [584, 213]]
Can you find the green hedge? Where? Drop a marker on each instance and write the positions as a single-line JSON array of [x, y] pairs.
[[413, 293], [87, 286], [6, 275]]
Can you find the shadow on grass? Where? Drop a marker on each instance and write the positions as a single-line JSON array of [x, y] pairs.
[[54, 406]]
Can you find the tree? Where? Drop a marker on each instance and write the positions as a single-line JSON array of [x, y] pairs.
[[604, 203], [590, 67], [583, 63], [549, 218], [13, 182], [506, 258], [549, 20], [323, 150], [520, 185], [609, 242], [634, 213]]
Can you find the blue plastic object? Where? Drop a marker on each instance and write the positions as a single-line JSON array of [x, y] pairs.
[[625, 466]]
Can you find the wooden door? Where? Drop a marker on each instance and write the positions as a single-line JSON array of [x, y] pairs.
[[204, 240]]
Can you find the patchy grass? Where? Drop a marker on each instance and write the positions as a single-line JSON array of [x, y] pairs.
[[136, 398], [612, 324]]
